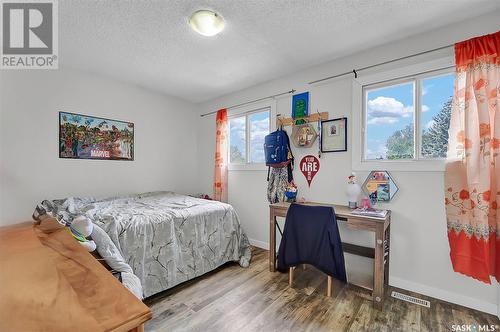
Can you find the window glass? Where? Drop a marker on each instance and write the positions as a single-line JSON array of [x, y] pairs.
[[259, 128], [390, 122], [237, 140], [436, 98]]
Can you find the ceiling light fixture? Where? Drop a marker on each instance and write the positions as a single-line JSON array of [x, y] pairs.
[[206, 22]]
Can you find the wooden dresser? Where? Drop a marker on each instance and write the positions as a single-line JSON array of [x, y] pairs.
[[48, 282]]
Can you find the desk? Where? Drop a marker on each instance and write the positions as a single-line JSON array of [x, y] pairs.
[[51, 283], [380, 226]]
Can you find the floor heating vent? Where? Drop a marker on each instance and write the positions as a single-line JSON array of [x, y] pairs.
[[411, 299]]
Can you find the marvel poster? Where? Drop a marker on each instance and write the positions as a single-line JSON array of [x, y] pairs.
[[89, 137]]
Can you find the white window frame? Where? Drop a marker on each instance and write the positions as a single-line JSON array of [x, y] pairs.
[[247, 111], [400, 75]]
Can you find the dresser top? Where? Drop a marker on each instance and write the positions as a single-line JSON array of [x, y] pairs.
[[51, 283]]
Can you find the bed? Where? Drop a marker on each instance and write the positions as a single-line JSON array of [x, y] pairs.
[[159, 239]]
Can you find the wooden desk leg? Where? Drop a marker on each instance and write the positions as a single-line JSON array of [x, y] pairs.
[[272, 241], [387, 252], [378, 271]]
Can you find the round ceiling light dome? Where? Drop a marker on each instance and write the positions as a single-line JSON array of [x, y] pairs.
[[206, 22]]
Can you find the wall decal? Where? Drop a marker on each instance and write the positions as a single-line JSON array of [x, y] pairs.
[[89, 137], [309, 166]]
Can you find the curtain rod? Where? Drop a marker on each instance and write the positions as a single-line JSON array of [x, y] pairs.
[[252, 101], [355, 71]]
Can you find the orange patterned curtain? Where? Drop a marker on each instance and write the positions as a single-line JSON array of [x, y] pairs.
[[472, 178], [220, 182]]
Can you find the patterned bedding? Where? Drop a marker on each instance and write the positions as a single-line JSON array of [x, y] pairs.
[[166, 238]]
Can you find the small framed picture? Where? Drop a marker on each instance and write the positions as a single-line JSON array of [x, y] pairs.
[[334, 135]]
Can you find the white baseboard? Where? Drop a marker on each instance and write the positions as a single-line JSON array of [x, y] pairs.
[[447, 296], [436, 293], [259, 244]]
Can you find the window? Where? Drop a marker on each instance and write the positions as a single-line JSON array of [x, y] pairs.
[[408, 119], [246, 137]]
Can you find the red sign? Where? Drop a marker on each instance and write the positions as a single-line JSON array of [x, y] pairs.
[[309, 166]]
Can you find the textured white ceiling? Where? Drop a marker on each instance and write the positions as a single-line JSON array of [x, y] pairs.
[[149, 43]]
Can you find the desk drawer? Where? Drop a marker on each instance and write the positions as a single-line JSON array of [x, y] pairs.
[[361, 224]]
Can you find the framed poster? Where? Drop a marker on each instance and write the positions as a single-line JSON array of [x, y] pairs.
[[300, 105], [334, 135], [89, 137]]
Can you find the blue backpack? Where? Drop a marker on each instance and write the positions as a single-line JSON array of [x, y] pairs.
[[277, 151]]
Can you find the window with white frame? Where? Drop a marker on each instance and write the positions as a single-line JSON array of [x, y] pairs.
[[407, 119], [246, 136]]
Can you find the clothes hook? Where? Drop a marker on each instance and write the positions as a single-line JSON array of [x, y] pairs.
[[355, 73]]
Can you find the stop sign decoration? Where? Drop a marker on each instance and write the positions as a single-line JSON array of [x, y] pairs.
[[309, 166]]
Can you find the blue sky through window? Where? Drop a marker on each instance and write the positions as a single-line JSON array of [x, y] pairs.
[[237, 140], [259, 128]]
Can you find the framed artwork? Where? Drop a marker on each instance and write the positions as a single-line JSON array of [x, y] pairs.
[[89, 137], [334, 135], [379, 186], [300, 105]]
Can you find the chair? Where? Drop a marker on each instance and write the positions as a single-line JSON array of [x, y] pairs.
[[329, 283], [311, 236]]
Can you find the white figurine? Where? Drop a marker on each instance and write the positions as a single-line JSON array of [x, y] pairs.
[[352, 191]]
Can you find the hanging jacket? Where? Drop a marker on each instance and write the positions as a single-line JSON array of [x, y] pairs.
[[276, 185], [311, 236]]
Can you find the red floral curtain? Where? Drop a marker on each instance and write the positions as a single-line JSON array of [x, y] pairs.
[[220, 179], [472, 178]]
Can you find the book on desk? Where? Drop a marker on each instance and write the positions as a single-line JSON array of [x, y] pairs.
[[369, 212]]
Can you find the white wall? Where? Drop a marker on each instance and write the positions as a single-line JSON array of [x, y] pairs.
[[30, 169], [419, 248]]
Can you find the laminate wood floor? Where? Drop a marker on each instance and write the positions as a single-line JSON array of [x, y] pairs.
[[232, 298]]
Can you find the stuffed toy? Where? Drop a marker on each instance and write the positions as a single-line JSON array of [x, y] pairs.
[[81, 228]]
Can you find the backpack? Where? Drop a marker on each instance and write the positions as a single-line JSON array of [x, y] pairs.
[[278, 152]]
